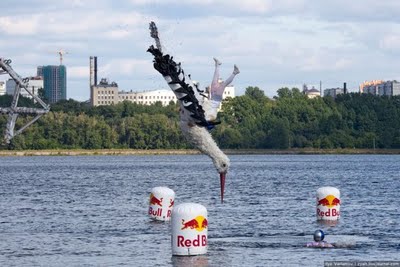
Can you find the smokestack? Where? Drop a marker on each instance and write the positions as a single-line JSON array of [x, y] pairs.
[[91, 68], [344, 88], [95, 70], [320, 88]]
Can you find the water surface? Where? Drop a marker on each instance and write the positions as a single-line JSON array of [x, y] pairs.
[[92, 210]]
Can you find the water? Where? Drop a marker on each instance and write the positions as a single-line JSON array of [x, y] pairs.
[[92, 210]]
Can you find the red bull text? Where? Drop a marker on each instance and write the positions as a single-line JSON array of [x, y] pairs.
[[199, 241], [159, 210]]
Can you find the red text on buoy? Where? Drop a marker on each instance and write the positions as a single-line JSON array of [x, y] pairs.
[[199, 241]]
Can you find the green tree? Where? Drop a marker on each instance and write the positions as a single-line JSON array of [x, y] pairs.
[[255, 93]]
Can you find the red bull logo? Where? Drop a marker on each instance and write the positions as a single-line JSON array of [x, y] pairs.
[[171, 203], [199, 223], [155, 211], [333, 205], [155, 201], [329, 201]]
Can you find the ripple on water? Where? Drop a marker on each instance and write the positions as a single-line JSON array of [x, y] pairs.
[[92, 210]]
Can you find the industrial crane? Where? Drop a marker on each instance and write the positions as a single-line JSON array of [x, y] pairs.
[[61, 53]]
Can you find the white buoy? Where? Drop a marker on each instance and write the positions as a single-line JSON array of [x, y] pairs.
[[328, 203], [161, 203], [189, 229]]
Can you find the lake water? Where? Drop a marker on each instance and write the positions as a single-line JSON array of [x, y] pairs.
[[92, 210]]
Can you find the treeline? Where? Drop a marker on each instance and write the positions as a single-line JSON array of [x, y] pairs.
[[291, 120], [250, 121]]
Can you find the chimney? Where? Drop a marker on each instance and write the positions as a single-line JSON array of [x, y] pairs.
[[344, 88], [95, 70], [91, 71], [320, 88]]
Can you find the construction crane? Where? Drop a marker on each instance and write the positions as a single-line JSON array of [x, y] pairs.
[[61, 53]]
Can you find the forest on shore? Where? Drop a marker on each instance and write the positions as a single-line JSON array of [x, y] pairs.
[[251, 121]]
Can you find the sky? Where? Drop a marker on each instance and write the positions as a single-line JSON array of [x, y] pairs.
[[275, 44]]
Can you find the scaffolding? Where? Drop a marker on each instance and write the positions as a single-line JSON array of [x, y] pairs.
[[14, 111]]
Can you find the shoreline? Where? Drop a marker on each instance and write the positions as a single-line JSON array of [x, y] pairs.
[[84, 152]]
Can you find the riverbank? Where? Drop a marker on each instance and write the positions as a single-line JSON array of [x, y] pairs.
[[84, 152]]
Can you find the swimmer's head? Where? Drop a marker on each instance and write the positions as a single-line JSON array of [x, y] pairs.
[[319, 235]]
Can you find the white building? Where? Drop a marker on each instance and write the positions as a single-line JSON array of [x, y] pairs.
[[311, 93], [34, 84], [2, 88], [107, 94], [229, 92], [148, 97]]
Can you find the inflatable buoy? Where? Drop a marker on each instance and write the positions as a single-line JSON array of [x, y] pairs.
[[189, 229], [161, 203], [328, 203]]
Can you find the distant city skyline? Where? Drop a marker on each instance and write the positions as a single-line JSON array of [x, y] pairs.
[[275, 43]]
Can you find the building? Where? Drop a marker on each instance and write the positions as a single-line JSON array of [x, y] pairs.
[[229, 92], [39, 71], [367, 86], [104, 93], [148, 97], [381, 88], [54, 82], [311, 93], [333, 92], [395, 88], [34, 85], [2, 88]]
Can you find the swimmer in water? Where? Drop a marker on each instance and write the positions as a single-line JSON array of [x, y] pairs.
[[319, 241]]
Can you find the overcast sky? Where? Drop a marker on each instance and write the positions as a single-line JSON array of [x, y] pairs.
[[274, 43]]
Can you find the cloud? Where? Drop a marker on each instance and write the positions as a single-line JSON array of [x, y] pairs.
[[273, 42], [390, 42], [354, 11], [78, 72], [224, 7], [117, 34], [130, 67], [19, 26]]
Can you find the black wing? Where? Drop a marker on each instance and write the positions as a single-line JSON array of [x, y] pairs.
[[165, 65]]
